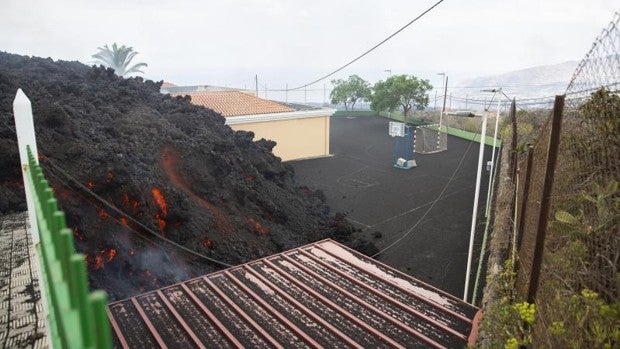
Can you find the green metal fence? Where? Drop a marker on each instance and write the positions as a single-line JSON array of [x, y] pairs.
[[77, 318]]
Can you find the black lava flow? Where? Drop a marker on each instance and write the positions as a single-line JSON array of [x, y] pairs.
[[174, 167]]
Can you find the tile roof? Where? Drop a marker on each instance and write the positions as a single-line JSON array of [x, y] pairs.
[[236, 103], [318, 295]]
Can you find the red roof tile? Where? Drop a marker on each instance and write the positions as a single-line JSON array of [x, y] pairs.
[[236, 103], [319, 295]]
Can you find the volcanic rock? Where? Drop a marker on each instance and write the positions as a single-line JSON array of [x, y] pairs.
[[137, 172]]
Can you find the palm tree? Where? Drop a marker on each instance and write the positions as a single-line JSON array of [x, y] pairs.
[[119, 59]]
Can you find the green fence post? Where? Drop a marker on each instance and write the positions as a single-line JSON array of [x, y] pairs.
[[80, 290], [103, 335]]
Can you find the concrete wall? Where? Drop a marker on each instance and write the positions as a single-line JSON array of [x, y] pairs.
[[297, 138]]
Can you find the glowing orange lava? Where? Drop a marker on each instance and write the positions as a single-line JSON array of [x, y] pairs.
[[208, 243], [160, 221], [102, 213], [111, 254], [98, 263], [161, 201], [76, 233]]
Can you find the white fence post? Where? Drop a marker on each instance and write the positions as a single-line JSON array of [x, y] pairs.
[[24, 127]]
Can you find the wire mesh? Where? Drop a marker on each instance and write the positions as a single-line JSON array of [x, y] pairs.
[[582, 240], [589, 161]]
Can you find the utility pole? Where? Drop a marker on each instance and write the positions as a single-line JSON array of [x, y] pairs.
[[474, 217], [265, 91], [306, 94], [256, 83], [435, 106], [286, 94], [445, 94], [466, 98]]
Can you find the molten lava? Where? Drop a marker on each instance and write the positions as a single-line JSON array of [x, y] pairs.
[[102, 213], [160, 221], [111, 253], [208, 244], [98, 263], [161, 201], [76, 233]]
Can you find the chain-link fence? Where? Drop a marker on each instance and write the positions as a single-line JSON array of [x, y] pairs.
[[567, 207]]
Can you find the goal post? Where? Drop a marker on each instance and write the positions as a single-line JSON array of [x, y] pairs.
[[429, 139]]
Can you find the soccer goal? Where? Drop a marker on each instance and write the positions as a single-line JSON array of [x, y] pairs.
[[430, 139]]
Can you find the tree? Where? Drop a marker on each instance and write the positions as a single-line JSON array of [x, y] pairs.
[[119, 59], [406, 91], [350, 91]]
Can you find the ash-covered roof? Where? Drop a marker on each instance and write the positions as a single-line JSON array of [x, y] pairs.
[[300, 107], [236, 103], [318, 295]]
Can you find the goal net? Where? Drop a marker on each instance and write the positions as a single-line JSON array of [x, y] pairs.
[[430, 139]]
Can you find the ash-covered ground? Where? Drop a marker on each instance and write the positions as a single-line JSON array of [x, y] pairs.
[[173, 167]]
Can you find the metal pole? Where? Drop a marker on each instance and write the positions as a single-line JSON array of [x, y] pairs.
[[443, 109], [466, 98], [513, 146], [474, 217], [286, 94], [265, 91], [306, 94], [324, 93], [492, 159], [256, 83], [545, 205], [519, 221]]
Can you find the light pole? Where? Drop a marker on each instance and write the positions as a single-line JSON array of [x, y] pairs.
[[474, 217], [443, 81], [444, 86], [493, 151]]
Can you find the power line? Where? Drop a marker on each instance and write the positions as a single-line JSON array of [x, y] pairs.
[[369, 50]]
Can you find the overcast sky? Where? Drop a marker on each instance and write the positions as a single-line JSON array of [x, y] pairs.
[[294, 42]]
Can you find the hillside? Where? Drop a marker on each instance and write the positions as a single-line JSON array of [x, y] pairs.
[[540, 81]]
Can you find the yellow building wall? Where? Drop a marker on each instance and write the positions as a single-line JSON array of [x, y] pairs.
[[296, 138]]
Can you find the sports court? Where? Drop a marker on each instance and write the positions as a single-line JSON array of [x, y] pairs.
[[360, 180]]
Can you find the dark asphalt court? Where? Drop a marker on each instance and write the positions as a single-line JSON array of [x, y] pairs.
[[360, 180]]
